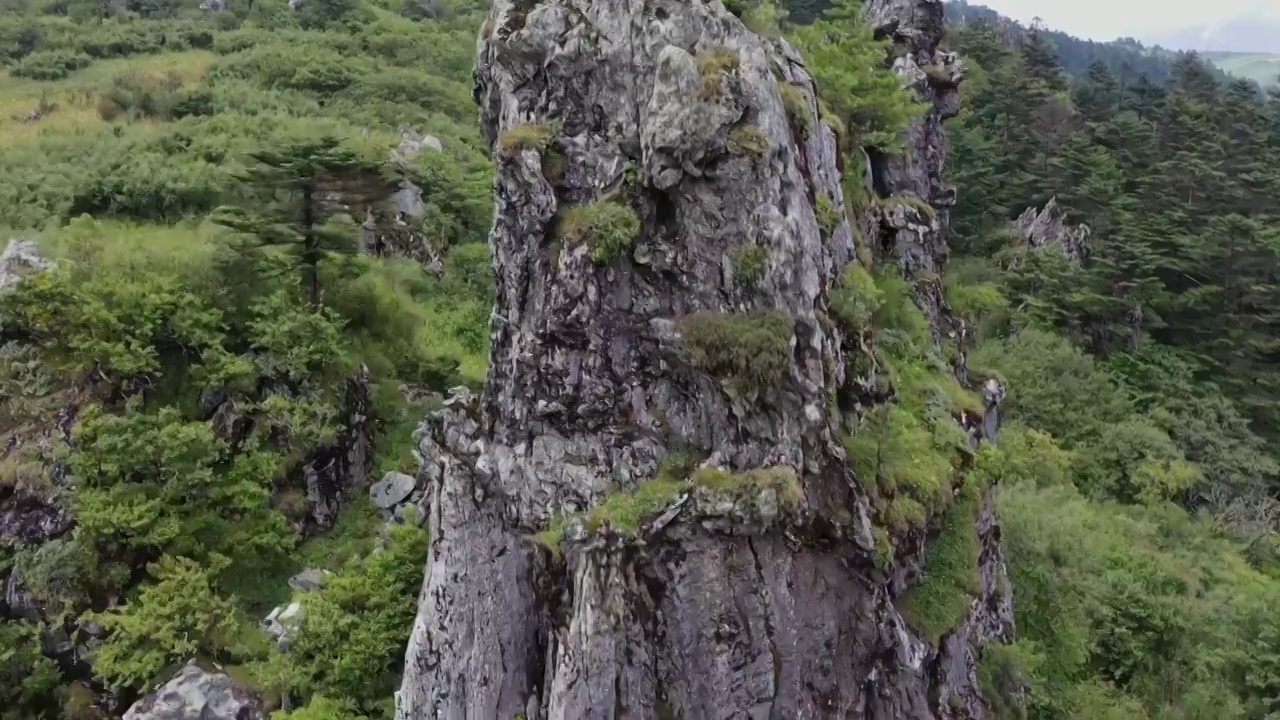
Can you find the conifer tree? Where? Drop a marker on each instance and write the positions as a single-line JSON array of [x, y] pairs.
[[291, 194]]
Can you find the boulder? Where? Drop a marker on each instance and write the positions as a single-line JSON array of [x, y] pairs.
[[309, 580], [198, 694], [393, 489], [282, 623], [20, 258]]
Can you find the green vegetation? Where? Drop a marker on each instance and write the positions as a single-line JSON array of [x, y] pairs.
[[625, 511], [859, 91], [750, 262], [747, 349], [796, 103], [525, 136], [941, 600], [856, 299], [351, 639], [607, 227], [1135, 477], [124, 135], [829, 217], [747, 141]]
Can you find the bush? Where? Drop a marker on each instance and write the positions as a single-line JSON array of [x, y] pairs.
[[525, 136], [28, 680], [607, 227], [855, 300], [712, 64], [940, 602], [351, 640], [50, 64], [175, 618], [748, 349]]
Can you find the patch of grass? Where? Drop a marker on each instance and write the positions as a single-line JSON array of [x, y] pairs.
[[829, 216], [625, 511], [747, 485], [856, 298], [712, 64], [796, 103], [939, 603], [526, 136], [749, 263], [748, 348], [747, 141], [607, 227], [354, 535]]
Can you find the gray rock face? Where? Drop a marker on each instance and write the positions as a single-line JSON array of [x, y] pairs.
[[1048, 228], [718, 609], [393, 489], [309, 580], [197, 694], [20, 258]]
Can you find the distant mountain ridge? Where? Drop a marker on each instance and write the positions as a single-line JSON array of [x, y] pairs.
[[1125, 57], [1248, 34]]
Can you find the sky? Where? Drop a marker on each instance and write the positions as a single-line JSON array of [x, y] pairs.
[[1143, 19]]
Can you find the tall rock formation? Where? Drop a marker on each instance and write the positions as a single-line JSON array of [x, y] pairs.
[[753, 590]]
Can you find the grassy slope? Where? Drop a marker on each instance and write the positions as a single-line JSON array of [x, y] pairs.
[[1261, 68]]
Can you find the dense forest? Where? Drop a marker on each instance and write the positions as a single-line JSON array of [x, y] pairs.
[[258, 242], [1143, 368]]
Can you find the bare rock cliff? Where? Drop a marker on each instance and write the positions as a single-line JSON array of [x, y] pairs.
[[753, 592]]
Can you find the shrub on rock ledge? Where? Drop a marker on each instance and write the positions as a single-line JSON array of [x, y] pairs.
[[747, 348], [525, 136], [606, 227]]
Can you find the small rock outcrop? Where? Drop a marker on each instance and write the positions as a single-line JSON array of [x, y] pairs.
[[1048, 228], [654, 199], [20, 258], [198, 694], [393, 489], [397, 229]]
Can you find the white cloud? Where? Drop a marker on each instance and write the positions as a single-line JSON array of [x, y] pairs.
[[1109, 19]]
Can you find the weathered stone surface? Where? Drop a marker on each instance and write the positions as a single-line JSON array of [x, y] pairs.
[[717, 608], [20, 258], [309, 580], [393, 489], [198, 694], [282, 623], [1048, 228]]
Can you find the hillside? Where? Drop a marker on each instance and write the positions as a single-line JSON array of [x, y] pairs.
[[1263, 69], [419, 359], [1125, 57], [1256, 32]]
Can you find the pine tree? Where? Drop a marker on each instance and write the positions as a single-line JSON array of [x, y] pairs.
[[293, 192]]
